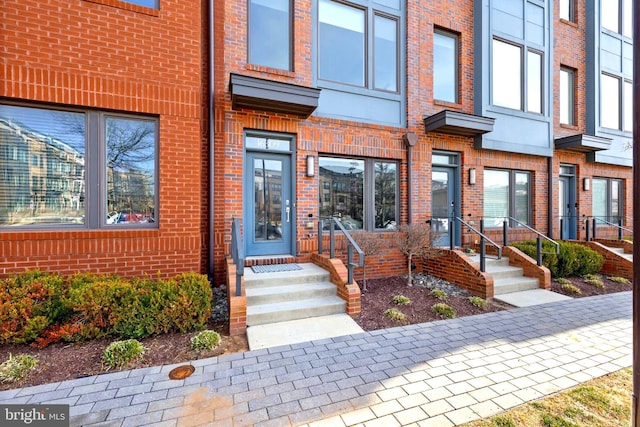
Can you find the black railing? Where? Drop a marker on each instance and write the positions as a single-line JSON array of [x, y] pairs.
[[237, 254], [334, 223], [539, 237], [594, 220], [483, 240]]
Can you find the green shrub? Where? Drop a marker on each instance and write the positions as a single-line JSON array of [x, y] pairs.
[[401, 300], [568, 287], [573, 260], [121, 353], [17, 368], [443, 310], [395, 314], [478, 302], [205, 340], [620, 280], [29, 303], [563, 281], [502, 421], [438, 293], [595, 281]]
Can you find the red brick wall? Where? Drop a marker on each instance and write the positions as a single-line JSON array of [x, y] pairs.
[[107, 54]]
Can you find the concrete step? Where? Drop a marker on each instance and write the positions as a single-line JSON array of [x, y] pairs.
[[514, 284], [308, 274], [504, 271], [289, 292], [621, 252], [531, 297], [261, 314]]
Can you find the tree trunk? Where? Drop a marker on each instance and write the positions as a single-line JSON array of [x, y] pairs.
[[410, 279]]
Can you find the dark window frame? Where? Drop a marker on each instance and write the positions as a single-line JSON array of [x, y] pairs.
[[290, 48], [511, 206], [456, 38], [571, 12], [571, 102], [609, 198]]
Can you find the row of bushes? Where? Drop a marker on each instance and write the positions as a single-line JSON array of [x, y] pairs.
[[573, 260], [41, 308]]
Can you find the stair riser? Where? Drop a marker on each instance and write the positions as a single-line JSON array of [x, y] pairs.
[[507, 274], [301, 293], [295, 314], [256, 282], [507, 288]]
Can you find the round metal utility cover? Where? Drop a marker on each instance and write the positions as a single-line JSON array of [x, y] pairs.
[[181, 372]]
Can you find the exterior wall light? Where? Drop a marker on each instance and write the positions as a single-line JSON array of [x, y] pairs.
[[586, 184], [311, 166], [472, 176]]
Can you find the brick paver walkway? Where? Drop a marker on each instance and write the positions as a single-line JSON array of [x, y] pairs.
[[434, 374]]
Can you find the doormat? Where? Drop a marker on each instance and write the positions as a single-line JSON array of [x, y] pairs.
[[275, 268]]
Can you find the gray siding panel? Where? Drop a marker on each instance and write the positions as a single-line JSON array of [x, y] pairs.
[[364, 108]]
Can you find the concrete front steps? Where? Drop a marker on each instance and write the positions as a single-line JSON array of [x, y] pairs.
[[621, 252], [512, 287], [294, 306]]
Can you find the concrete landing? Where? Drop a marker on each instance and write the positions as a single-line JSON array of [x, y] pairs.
[[531, 297], [302, 330]]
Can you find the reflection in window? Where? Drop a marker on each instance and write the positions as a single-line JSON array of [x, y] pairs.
[[607, 200], [610, 102], [445, 67], [566, 10], [385, 53], [628, 107], [42, 167], [534, 82], [270, 33], [567, 96], [145, 3], [130, 170], [507, 75], [342, 43], [506, 194], [363, 193], [610, 15]]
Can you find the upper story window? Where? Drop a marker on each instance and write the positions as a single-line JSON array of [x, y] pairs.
[[567, 11], [445, 66], [94, 169], [270, 33], [362, 192], [567, 96], [146, 3], [617, 16], [616, 103], [347, 35]]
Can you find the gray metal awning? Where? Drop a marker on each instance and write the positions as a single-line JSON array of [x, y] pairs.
[[583, 143], [457, 123]]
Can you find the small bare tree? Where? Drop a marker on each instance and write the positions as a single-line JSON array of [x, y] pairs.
[[416, 239], [371, 244]]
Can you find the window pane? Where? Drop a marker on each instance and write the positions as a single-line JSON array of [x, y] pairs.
[[42, 155], [616, 211], [566, 10], [566, 97], [496, 197], [269, 33], [627, 17], [131, 175], [610, 102], [445, 74], [522, 208], [146, 3], [534, 82], [385, 54], [599, 198], [386, 195], [346, 190], [341, 43], [609, 10], [507, 75], [628, 107]]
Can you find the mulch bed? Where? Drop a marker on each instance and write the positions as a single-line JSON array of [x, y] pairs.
[[588, 289]]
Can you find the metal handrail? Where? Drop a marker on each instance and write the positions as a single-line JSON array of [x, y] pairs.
[[332, 245], [539, 238], [483, 238], [237, 254], [609, 223]]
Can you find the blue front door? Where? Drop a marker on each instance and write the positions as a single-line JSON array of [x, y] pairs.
[[268, 224], [567, 207], [443, 185]]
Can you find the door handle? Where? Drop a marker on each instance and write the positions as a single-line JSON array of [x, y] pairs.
[[288, 211]]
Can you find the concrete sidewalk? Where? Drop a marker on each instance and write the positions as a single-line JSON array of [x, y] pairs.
[[434, 374]]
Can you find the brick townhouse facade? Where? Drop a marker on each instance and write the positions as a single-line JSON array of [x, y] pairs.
[[379, 112]]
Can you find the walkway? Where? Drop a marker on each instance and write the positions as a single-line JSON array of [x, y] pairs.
[[434, 374]]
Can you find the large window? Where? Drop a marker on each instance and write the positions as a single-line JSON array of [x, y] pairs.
[[76, 168], [344, 33], [445, 66], [616, 103], [507, 194], [509, 77], [270, 33], [363, 193], [567, 96], [607, 200], [617, 16]]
